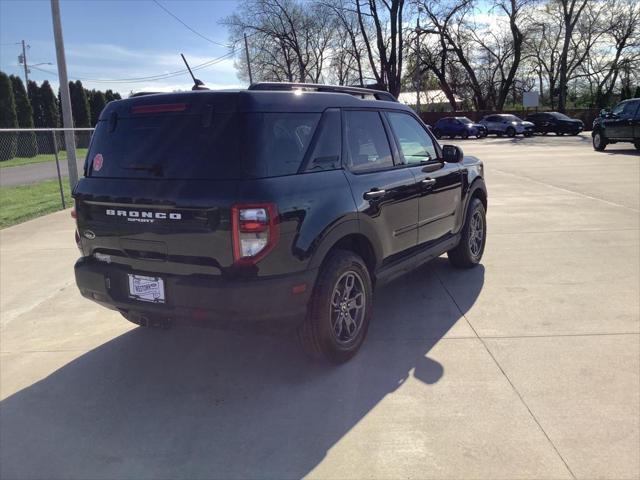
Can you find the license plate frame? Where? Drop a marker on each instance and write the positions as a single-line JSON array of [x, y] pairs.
[[146, 289]]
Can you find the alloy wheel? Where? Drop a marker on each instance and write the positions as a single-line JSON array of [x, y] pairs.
[[348, 307], [476, 233]]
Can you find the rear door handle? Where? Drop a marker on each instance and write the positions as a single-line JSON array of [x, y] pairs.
[[429, 182], [372, 194]]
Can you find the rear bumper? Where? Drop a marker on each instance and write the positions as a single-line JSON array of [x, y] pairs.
[[201, 299]]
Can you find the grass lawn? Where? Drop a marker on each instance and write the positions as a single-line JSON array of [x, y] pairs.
[[23, 202], [43, 157]]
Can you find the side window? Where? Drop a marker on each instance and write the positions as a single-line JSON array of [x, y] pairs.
[[415, 144], [277, 142], [629, 110], [619, 108], [325, 153], [367, 143]]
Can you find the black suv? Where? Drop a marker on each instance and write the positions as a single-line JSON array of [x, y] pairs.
[[555, 122], [622, 124], [279, 205]]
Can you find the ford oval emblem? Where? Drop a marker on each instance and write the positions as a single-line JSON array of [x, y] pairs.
[[89, 234]]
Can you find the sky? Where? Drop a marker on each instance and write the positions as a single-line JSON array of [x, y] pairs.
[[121, 39]]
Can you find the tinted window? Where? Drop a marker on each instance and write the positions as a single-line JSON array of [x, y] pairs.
[[559, 116], [464, 120], [415, 144], [325, 152], [166, 146], [629, 110], [367, 142], [277, 142]]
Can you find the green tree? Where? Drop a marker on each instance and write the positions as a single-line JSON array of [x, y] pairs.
[[110, 96], [49, 106], [26, 140], [79, 105], [97, 102], [49, 117], [33, 91], [8, 119]]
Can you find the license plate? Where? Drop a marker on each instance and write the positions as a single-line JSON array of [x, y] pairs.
[[146, 289]]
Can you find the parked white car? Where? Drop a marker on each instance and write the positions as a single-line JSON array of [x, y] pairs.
[[507, 124]]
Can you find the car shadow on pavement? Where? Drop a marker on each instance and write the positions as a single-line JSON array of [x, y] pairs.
[[204, 403]]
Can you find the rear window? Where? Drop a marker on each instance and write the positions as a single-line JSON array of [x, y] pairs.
[[167, 146], [218, 145]]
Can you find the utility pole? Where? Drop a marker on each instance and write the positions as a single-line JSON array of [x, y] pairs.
[[24, 63], [67, 116], [246, 51]]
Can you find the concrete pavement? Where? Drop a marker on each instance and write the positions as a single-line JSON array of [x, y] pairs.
[[525, 367]]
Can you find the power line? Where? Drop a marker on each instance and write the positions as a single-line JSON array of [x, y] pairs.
[[150, 78], [187, 26]]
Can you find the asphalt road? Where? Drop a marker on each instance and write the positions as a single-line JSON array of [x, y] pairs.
[[32, 173], [526, 367]]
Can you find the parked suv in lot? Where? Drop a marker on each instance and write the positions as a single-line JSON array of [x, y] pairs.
[[509, 125], [458, 126], [622, 124], [555, 122], [284, 204]]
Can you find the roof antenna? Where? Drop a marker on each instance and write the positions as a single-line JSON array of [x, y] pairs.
[[197, 84]]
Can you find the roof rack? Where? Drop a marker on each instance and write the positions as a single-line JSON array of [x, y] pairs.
[[141, 94], [358, 91]]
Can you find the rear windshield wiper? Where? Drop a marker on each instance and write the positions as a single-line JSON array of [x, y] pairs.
[[156, 169]]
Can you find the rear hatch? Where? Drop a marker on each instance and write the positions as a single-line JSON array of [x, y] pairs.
[[161, 175]]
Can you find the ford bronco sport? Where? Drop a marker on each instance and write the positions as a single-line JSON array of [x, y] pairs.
[[281, 204], [622, 124]]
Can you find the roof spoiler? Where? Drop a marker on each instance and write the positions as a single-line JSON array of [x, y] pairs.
[[357, 91]]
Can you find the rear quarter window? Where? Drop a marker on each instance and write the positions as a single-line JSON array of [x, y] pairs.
[[276, 143]]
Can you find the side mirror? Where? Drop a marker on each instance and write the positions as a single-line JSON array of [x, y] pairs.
[[452, 154]]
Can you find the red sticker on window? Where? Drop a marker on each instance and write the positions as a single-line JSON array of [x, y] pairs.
[[97, 162]]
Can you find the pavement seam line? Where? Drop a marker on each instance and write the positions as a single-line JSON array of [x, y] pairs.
[[565, 189], [486, 347]]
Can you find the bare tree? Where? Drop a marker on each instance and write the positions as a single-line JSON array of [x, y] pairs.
[[385, 46], [287, 41]]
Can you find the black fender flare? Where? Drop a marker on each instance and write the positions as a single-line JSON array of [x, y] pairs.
[[333, 236]]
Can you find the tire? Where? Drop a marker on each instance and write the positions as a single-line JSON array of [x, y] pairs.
[[545, 133], [479, 135], [511, 132], [319, 333], [437, 133], [465, 134], [599, 141], [528, 134], [559, 134], [637, 145], [468, 252]]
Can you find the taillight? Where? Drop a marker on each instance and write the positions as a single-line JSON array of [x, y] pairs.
[[255, 231], [73, 212]]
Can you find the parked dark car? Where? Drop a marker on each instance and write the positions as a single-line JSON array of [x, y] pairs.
[[284, 205], [507, 124], [458, 127], [555, 122], [622, 124]]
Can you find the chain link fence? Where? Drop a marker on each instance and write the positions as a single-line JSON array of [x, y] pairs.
[[34, 179], [32, 156]]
